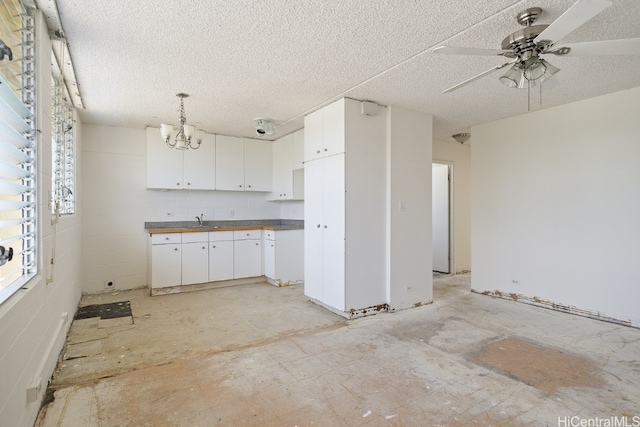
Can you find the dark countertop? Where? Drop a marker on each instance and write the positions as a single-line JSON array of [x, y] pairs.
[[252, 224]]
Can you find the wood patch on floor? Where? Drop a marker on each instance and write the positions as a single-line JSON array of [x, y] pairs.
[[541, 367]]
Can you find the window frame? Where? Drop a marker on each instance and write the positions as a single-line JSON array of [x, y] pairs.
[[21, 273]]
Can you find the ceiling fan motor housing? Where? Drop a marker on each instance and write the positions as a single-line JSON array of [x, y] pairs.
[[522, 42]]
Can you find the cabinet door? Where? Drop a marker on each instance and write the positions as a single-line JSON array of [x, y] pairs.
[[220, 260], [164, 164], [247, 258], [229, 163], [313, 136], [195, 263], [297, 150], [289, 256], [258, 156], [165, 265], [270, 259], [313, 229], [200, 165], [282, 171], [333, 231], [333, 128]]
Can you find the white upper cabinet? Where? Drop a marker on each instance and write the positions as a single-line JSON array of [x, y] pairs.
[[324, 131], [297, 150], [168, 168], [288, 164], [243, 164], [230, 163], [200, 165], [257, 165], [282, 169]]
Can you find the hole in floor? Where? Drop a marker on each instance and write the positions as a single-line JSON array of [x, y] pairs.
[[111, 310]]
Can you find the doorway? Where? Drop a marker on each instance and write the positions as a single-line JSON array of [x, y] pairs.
[[441, 218]]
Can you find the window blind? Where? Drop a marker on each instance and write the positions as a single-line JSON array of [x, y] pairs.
[[17, 161]]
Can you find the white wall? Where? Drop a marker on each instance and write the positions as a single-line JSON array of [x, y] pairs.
[[116, 206], [32, 329], [409, 148], [459, 156], [556, 206]]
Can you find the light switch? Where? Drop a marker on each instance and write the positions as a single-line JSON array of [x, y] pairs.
[[401, 206]]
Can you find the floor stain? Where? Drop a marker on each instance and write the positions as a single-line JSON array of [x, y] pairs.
[[541, 367]]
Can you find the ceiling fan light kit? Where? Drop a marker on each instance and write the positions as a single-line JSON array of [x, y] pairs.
[[526, 45]]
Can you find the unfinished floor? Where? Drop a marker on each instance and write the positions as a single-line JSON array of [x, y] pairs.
[[265, 356]]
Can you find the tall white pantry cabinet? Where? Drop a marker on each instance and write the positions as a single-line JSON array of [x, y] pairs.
[[345, 202]]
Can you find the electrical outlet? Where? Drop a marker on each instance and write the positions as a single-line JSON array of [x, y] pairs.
[[232, 213], [407, 288], [109, 284], [515, 281], [168, 215]]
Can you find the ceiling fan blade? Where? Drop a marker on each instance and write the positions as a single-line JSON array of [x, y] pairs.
[[605, 47], [572, 18], [450, 50], [474, 78]]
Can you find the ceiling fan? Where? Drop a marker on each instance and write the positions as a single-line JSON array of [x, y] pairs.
[[525, 47]]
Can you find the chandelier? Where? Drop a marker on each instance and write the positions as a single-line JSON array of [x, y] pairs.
[[187, 137]]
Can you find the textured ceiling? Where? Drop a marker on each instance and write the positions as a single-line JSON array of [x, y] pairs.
[[283, 59]]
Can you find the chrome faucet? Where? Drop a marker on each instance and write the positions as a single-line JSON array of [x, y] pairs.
[[199, 219]]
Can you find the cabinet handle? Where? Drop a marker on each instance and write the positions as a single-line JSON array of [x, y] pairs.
[[166, 238], [318, 151], [214, 246], [177, 183], [175, 249], [204, 247], [240, 186], [318, 225], [257, 244], [325, 149], [188, 183], [325, 226], [249, 185]]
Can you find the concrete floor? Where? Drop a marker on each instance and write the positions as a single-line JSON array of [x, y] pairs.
[[262, 355]]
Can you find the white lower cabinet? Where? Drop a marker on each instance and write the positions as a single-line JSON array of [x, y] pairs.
[[200, 257], [284, 256], [247, 253], [220, 256], [269, 254], [166, 260], [195, 258]]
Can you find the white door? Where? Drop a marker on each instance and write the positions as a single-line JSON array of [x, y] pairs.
[[333, 232], [220, 260], [313, 229], [195, 263], [440, 217]]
